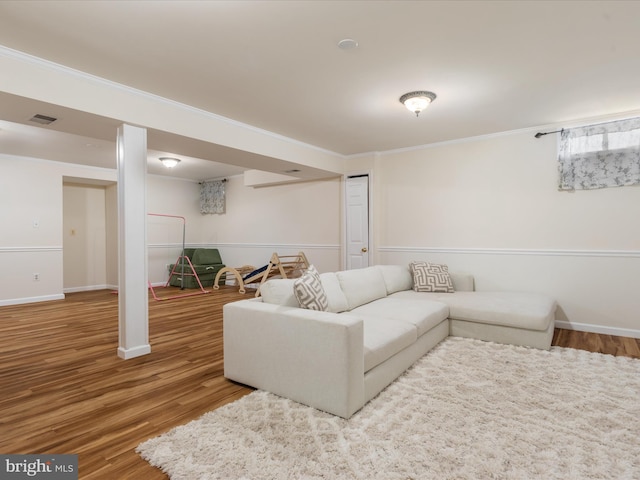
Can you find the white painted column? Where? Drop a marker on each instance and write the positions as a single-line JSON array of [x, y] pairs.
[[133, 302]]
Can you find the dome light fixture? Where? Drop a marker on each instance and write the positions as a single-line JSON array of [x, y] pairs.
[[417, 101], [169, 162]]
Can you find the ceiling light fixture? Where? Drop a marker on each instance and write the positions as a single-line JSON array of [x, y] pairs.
[[169, 162], [417, 101]]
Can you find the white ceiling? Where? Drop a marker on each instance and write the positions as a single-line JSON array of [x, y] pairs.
[[495, 65]]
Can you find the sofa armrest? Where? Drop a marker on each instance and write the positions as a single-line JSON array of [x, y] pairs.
[[315, 358]]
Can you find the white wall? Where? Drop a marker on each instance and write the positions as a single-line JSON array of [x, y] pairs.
[[111, 220], [258, 222], [285, 219], [31, 214], [180, 198], [490, 206]]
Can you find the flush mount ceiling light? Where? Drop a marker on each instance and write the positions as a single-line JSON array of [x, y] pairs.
[[169, 162], [417, 101]]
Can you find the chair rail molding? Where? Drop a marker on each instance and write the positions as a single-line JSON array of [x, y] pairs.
[[515, 251]]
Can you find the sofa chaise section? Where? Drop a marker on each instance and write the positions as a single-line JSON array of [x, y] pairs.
[[515, 318]]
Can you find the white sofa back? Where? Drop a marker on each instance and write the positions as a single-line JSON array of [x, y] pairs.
[[396, 278], [362, 285], [350, 289]]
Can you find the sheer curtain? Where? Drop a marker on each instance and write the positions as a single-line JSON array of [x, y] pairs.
[[212, 197], [599, 156]]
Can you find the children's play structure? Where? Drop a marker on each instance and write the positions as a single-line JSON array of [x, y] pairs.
[[196, 268], [282, 266], [183, 273]]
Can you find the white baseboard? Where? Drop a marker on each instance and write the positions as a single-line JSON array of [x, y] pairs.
[[127, 353], [20, 301], [86, 288], [587, 327]]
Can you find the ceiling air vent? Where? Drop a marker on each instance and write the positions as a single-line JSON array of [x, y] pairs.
[[42, 119]]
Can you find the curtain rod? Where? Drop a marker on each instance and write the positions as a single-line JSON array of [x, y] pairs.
[[540, 134], [213, 180]]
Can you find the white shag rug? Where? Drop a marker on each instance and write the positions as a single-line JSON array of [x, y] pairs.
[[466, 410]]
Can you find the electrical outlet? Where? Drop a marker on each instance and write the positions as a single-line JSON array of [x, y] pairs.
[[36, 277]]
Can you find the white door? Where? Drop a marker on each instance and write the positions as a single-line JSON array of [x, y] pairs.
[[357, 221]]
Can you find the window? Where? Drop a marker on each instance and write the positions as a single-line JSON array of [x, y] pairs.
[[212, 197], [599, 156]]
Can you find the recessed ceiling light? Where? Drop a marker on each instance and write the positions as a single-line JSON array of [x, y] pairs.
[[169, 162], [347, 44]]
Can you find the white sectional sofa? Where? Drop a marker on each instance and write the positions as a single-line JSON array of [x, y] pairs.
[[376, 326]]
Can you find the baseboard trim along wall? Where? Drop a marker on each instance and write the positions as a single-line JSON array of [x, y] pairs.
[[88, 288], [20, 301], [583, 327]]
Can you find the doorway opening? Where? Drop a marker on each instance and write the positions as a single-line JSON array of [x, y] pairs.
[[89, 235]]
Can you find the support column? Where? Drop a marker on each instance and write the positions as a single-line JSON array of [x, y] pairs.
[[133, 301]]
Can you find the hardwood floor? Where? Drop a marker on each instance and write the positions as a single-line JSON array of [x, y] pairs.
[[593, 342], [64, 390]]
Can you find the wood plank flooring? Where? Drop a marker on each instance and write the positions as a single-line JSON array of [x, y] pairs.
[[64, 390]]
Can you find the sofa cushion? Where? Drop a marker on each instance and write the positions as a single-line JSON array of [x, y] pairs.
[[279, 291], [335, 295], [309, 291], [510, 309], [362, 285], [206, 256], [424, 315], [384, 338], [431, 277], [462, 282], [396, 278]]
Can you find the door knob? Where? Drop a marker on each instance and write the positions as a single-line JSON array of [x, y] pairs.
[[364, 250]]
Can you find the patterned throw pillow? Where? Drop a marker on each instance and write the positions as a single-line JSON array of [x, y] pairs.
[[431, 277], [309, 291]]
